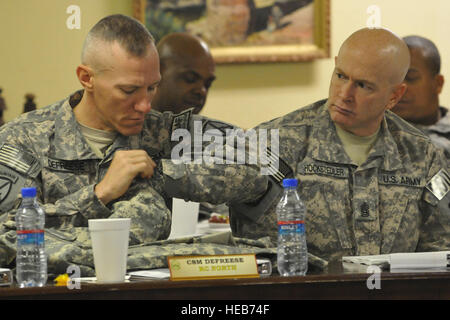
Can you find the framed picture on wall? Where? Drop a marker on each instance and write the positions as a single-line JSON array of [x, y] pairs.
[[245, 30]]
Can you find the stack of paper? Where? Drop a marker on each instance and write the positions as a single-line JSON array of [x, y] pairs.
[[377, 260], [153, 274], [420, 260], [410, 260]]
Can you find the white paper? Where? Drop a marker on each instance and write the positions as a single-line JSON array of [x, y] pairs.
[[94, 279], [379, 259], [184, 218], [409, 260], [419, 260], [162, 273]]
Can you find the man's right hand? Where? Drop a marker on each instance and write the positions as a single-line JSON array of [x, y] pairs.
[[125, 166]]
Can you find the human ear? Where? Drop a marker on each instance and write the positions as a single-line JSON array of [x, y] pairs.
[[85, 76], [439, 82], [396, 95]]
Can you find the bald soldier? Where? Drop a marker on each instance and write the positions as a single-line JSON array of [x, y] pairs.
[[371, 183], [187, 71], [102, 152]]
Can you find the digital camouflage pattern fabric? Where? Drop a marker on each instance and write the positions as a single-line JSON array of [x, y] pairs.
[[63, 251], [382, 206], [439, 132], [46, 149]]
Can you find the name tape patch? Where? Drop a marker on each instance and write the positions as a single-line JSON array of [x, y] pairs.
[[407, 181], [324, 170], [78, 166]]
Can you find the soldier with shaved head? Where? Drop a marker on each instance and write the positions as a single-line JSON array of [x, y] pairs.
[[103, 153], [371, 182]]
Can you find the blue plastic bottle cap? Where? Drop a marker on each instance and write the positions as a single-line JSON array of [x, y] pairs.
[[290, 183], [29, 192]]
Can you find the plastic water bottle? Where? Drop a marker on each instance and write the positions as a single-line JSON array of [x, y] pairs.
[[31, 261], [292, 258]]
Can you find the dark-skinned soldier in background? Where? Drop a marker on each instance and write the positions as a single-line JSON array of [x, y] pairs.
[[187, 71], [420, 103]]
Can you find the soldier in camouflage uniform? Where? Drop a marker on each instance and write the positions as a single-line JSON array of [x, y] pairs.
[[372, 183], [420, 104], [130, 175]]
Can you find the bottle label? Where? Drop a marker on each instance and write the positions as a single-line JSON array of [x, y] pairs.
[[289, 227], [27, 237]]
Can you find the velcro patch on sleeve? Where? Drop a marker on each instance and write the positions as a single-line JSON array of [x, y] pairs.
[[181, 120], [439, 185], [17, 159], [277, 168]]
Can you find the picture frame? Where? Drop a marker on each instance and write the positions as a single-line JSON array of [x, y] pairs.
[[227, 29]]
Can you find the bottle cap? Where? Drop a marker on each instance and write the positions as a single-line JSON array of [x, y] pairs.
[[29, 192], [290, 183]]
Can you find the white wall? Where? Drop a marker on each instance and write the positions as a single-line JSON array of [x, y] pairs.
[[250, 94], [39, 54]]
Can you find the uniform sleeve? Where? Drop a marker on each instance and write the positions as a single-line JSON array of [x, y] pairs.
[[213, 183], [205, 165], [255, 219], [435, 205]]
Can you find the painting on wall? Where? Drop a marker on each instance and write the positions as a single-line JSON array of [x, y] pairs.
[[245, 30]]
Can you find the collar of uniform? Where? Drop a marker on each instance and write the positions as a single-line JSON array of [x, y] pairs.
[[327, 146], [122, 143], [68, 133], [385, 148], [443, 125], [69, 141]]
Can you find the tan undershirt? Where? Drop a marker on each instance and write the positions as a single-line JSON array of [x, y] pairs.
[[98, 140], [356, 147]]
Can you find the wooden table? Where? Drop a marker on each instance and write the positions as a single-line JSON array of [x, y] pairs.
[[336, 283]]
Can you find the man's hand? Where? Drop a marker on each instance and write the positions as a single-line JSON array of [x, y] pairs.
[[125, 166]]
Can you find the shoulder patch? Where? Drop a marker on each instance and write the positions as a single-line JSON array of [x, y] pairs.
[[217, 125], [181, 120], [439, 185], [11, 182], [17, 159], [5, 187]]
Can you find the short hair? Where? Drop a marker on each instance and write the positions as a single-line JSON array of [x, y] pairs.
[[429, 51], [132, 35]]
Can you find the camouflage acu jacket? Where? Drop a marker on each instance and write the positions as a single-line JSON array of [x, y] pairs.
[[46, 149], [439, 132], [382, 206]]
